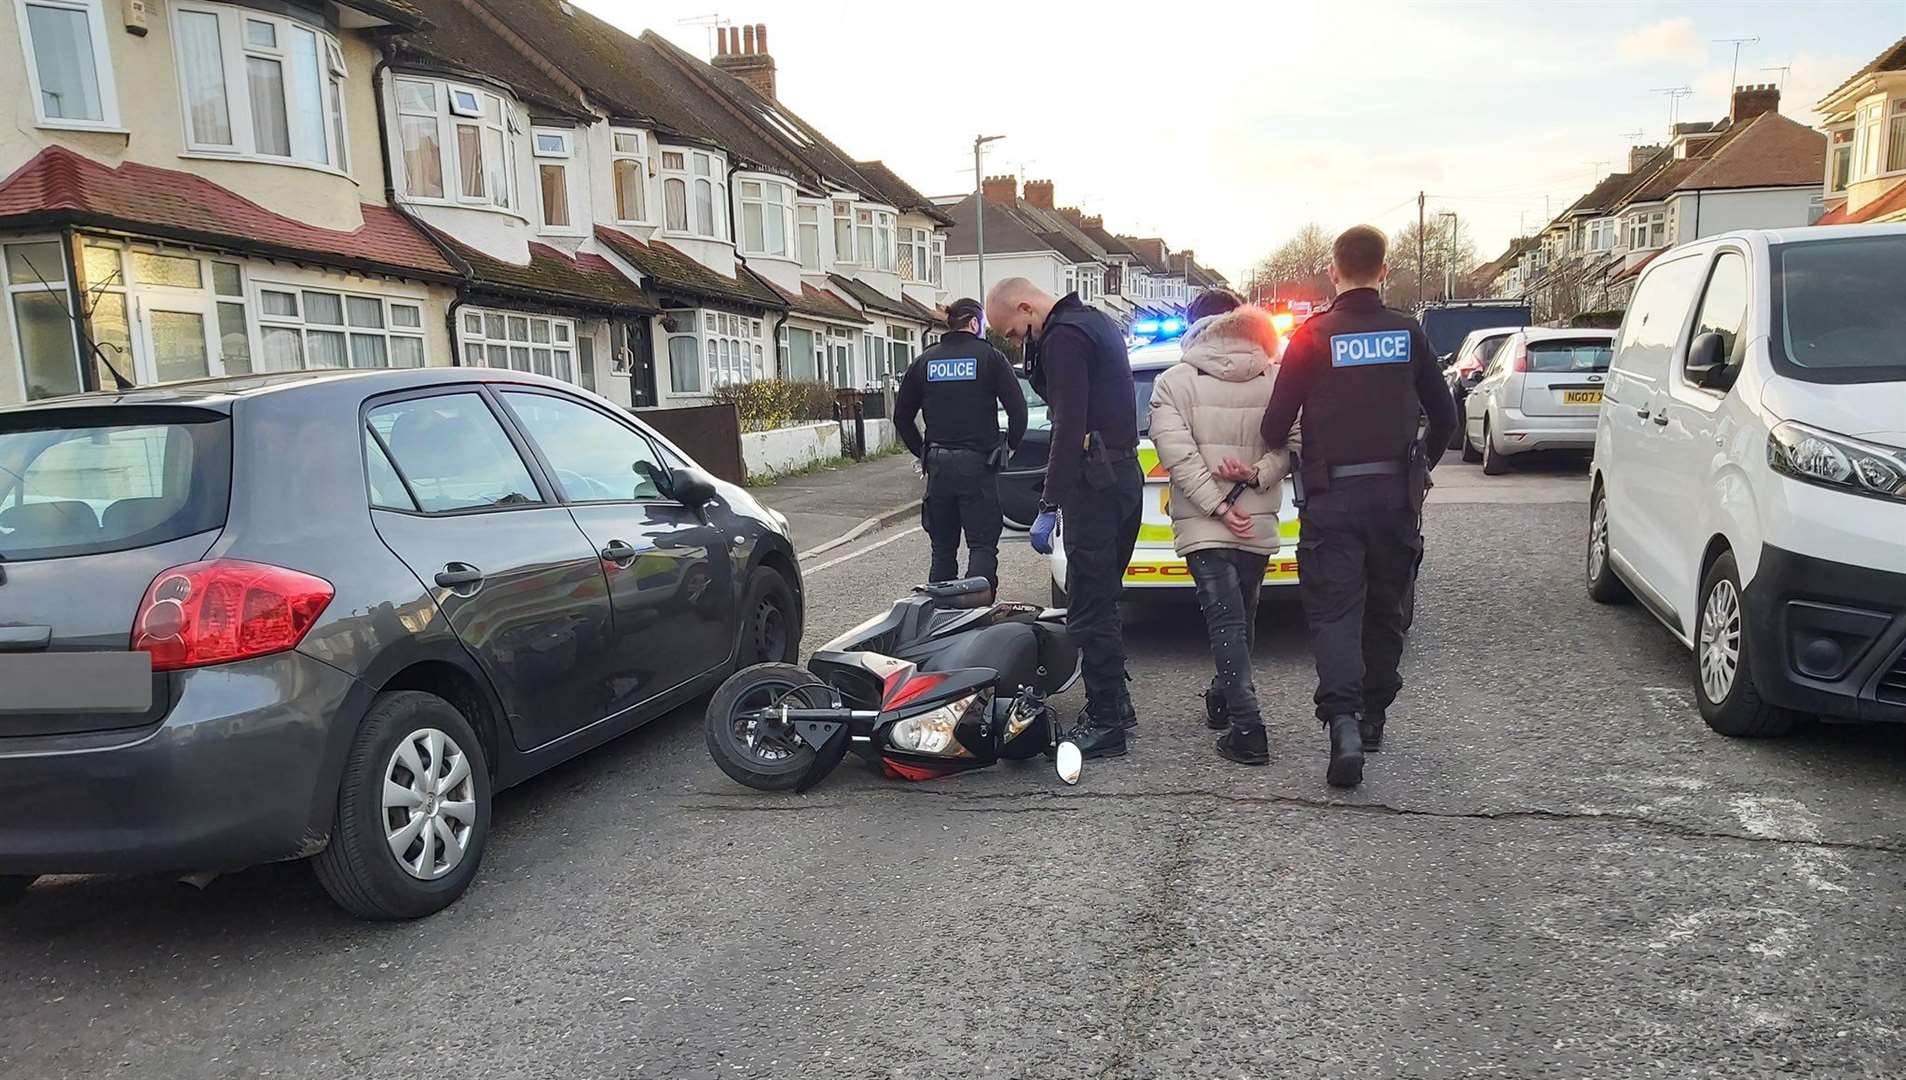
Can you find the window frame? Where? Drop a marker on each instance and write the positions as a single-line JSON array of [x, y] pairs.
[[692, 179], [449, 149], [644, 170], [1698, 311], [561, 336], [760, 202], [62, 289], [545, 490], [235, 52], [106, 88], [263, 321], [559, 160]]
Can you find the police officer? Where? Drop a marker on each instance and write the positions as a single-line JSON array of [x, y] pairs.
[[1363, 376], [962, 382], [1077, 362]]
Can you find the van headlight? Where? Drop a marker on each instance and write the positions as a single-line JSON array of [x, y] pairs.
[[1837, 461]]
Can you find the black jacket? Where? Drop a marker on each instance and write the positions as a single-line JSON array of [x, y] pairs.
[[1362, 375], [1083, 371], [962, 382]]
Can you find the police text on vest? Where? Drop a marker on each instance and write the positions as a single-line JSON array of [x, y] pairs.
[[964, 369], [1374, 347]]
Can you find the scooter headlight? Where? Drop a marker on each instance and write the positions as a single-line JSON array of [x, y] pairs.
[[932, 732]]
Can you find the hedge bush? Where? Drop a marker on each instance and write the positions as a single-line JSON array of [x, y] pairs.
[[766, 404]]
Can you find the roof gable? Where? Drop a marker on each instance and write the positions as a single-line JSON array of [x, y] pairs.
[[1891, 58]]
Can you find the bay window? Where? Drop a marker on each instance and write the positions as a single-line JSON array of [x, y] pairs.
[[733, 344], [552, 150], [629, 166], [260, 85], [808, 236], [68, 65], [1647, 231], [874, 235], [914, 257], [518, 342], [844, 232], [301, 329], [1896, 138], [1840, 159], [766, 210], [36, 291], [450, 130], [900, 350], [684, 364], [936, 272], [1868, 154], [694, 196]]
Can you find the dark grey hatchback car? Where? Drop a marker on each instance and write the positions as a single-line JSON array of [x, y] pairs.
[[328, 615]]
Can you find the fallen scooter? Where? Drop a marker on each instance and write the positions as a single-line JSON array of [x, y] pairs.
[[944, 682]]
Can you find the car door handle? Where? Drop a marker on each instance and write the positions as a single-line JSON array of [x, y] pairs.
[[25, 638], [618, 551], [1642, 412], [458, 575], [1661, 419]]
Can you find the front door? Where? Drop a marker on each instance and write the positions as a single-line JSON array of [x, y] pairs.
[[519, 582], [670, 578]]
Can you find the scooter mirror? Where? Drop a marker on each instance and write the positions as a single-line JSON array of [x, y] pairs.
[[1070, 761]]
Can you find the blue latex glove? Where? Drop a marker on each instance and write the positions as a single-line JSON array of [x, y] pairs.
[[1042, 528]]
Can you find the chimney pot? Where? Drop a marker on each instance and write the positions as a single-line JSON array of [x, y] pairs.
[[761, 37], [747, 40]]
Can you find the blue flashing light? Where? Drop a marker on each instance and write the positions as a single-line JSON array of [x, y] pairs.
[[1146, 327], [1173, 326]]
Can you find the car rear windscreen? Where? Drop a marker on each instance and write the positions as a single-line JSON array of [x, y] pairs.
[[1840, 309], [89, 481], [1560, 357]]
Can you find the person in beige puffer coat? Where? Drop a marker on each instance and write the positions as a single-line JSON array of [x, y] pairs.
[[1205, 415]]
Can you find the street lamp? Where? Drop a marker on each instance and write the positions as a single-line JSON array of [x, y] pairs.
[[979, 206], [1449, 256]]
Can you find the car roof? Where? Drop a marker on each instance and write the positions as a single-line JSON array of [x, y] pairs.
[[1157, 354], [221, 393]]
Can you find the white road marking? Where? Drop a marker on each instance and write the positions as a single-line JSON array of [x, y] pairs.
[[839, 559], [1789, 819]]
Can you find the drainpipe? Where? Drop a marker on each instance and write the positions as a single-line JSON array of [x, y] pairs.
[[390, 199], [734, 238]]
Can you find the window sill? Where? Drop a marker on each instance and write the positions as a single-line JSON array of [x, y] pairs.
[[266, 159], [453, 204], [81, 125], [671, 234]]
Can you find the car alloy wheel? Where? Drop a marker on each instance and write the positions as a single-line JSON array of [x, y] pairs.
[[429, 804], [1720, 640], [1598, 541]]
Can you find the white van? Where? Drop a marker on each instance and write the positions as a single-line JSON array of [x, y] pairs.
[[1749, 481]]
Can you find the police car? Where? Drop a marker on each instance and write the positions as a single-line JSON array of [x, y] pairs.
[[1155, 568]]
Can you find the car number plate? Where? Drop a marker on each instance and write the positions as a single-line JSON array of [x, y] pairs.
[[71, 682], [1581, 397]]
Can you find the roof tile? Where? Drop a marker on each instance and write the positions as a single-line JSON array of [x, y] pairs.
[[670, 269], [587, 279]]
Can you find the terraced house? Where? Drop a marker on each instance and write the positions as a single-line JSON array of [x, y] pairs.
[[263, 185]]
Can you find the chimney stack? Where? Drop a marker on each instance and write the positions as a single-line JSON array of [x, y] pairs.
[[1097, 222], [743, 52], [1001, 189], [1639, 155], [1039, 193], [1751, 101]]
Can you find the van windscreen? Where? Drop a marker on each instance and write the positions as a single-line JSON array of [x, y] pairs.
[[1840, 309], [89, 481]]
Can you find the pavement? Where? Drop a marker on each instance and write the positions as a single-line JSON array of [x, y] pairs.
[[826, 504], [1553, 870]]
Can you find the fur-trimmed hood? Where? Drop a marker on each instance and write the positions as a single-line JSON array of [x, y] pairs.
[[1235, 346]]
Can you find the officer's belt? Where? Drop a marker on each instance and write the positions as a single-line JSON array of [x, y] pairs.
[[1369, 468]]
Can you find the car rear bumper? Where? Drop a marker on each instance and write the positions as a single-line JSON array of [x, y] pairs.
[[1827, 637], [1521, 432], [233, 776]]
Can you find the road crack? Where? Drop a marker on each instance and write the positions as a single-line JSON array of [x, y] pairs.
[[1056, 802]]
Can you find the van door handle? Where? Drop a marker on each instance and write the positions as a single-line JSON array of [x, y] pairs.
[[1642, 412], [458, 575], [619, 552], [1661, 419]]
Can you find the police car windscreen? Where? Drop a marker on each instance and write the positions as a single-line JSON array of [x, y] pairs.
[[1142, 385], [1841, 308], [1559, 357]]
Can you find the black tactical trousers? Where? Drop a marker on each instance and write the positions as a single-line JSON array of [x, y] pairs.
[[1100, 527], [1357, 561], [962, 498], [1229, 582]]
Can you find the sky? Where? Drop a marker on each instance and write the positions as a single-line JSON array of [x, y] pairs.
[[1226, 129]]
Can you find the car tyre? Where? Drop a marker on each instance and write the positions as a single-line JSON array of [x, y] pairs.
[[1493, 462], [1724, 686], [1604, 585], [1459, 438], [359, 868], [14, 886], [1471, 455], [770, 621]]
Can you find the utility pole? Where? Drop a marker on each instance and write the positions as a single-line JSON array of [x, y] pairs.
[[979, 205], [1449, 256], [1734, 73], [1419, 247]]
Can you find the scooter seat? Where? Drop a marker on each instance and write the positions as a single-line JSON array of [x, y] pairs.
[[965, 589]]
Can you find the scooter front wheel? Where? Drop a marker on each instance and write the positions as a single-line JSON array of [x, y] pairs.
[[758, 752]]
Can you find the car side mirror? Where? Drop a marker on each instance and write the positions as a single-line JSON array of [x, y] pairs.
[[691, 487], [1719, 377], [1473, 377], [1704, 355]]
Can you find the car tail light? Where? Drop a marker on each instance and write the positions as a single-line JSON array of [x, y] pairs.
[[223, 610], [1521, 361], [906, 685]]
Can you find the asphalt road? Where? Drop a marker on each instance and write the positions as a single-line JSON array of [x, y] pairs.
[[1553, 870]]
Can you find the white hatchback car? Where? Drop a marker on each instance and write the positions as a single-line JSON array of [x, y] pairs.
[[1542, 390], [1749, 481]]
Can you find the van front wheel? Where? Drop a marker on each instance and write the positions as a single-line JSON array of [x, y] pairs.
[[1723, 671]]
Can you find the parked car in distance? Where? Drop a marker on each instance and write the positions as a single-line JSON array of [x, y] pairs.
[[1465, 369], [1024, 477], [1749, 480], [327, 615], [1541, 391], [1448, 323]]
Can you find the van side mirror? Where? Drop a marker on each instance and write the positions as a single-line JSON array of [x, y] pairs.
[[1707, 362]]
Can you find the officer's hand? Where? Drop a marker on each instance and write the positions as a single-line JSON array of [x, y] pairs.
[[1042, 528], [1237, 521]]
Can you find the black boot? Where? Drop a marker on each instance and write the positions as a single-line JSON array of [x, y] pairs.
[[1346, 751], [1245, 745], [1095, 738], [1370, 725], [1214, 711], [1127, 715]]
